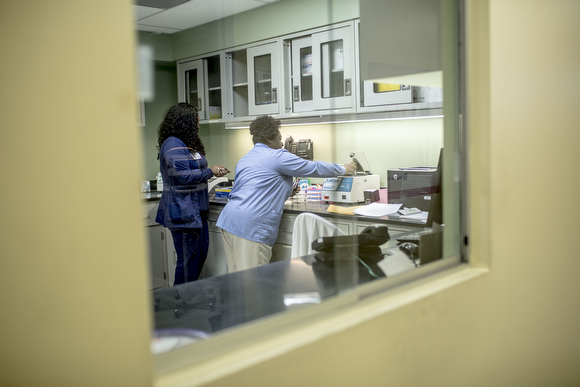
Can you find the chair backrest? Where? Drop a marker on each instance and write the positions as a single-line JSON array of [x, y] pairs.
[[307, 228]]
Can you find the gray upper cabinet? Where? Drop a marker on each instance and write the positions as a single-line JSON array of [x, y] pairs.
[[190, 84], [333, 69], [306, 74], [264, 79], [199, 83], [323, 71]]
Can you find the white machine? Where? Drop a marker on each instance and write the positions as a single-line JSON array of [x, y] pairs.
[[351, 189], [348, 189]]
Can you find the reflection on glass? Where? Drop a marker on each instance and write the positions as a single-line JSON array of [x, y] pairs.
[[191, 94], [415, 239], [332, 69], [306, 73], [212, 304], [263, 79]]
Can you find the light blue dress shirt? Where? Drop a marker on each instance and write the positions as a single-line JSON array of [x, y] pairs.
[[262, 184]]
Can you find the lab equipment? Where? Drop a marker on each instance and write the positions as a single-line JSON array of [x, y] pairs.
[[350, 189]]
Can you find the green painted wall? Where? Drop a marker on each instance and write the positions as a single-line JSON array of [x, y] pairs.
[[273, 20], [161, 44], [387, 144], [165, 97]]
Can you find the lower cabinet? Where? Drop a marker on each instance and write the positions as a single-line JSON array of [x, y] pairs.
[[171, 256], [216, 263], [157, 257], [156, 247], [281, 251], [162, 256]]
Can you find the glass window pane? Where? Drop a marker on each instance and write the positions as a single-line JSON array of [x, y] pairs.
[[306, 73], [332, 69], [263, 79], [191, 92]]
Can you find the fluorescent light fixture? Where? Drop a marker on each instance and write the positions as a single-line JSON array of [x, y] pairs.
[[350, 118]]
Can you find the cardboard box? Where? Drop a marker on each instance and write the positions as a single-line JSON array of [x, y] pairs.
[[222, 193]]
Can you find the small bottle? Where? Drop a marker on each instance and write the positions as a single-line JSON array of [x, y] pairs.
[[159, 182]]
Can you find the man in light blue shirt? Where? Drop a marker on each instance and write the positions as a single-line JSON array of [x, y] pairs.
[[263, 181]]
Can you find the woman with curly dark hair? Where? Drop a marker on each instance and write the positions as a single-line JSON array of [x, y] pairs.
[[251, 218], [184, 203]]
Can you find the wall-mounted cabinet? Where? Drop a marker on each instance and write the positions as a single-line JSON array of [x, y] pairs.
[[263, 79], [252, 79], [306, 74], [237, 84], [323, 71], [200, 84], [333, 69]]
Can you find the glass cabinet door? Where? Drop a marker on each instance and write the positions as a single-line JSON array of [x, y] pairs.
[[302, 96], [263, 78], [333, 69], [191, 85], [215, 95]]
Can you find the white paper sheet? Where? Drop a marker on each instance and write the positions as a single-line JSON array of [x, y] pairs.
[[421, 216], [377, 209]]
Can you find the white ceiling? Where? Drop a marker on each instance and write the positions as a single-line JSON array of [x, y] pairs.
[[190, 14]]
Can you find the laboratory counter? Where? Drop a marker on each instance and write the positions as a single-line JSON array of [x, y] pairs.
[[315, 207]]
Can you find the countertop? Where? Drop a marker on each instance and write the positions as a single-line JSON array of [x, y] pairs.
[[319, 208]]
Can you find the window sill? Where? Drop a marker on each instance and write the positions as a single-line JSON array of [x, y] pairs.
[[231, 351]]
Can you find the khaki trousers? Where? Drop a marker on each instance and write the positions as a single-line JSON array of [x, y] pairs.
[[242, 254]]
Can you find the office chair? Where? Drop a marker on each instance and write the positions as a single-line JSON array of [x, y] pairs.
[[307, 228]]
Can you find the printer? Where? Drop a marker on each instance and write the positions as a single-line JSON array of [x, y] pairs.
[[411, 187], [350, 189]]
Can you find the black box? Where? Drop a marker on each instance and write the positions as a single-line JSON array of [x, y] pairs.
[[411, 187]]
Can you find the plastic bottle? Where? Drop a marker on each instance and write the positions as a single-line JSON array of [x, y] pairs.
[[159, 182]]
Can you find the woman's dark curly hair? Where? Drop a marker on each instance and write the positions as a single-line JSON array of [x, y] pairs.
[[264, 128], [181, 121]]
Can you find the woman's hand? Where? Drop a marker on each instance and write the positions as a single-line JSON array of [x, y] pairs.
[[219, 170], [350, 168]]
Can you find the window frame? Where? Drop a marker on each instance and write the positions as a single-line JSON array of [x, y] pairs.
[[233, 349]]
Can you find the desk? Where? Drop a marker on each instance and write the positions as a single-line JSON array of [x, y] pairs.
[[225, 301]]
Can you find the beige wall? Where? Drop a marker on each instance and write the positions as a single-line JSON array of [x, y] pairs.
[[518, 324], [73, 271]]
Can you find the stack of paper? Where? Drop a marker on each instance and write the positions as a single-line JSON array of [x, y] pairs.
[[377, 209]]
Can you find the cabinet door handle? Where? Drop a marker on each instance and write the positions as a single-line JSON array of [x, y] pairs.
[[211, 220], [274, 95], [199, 104], [296, 93], [347, 88]]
